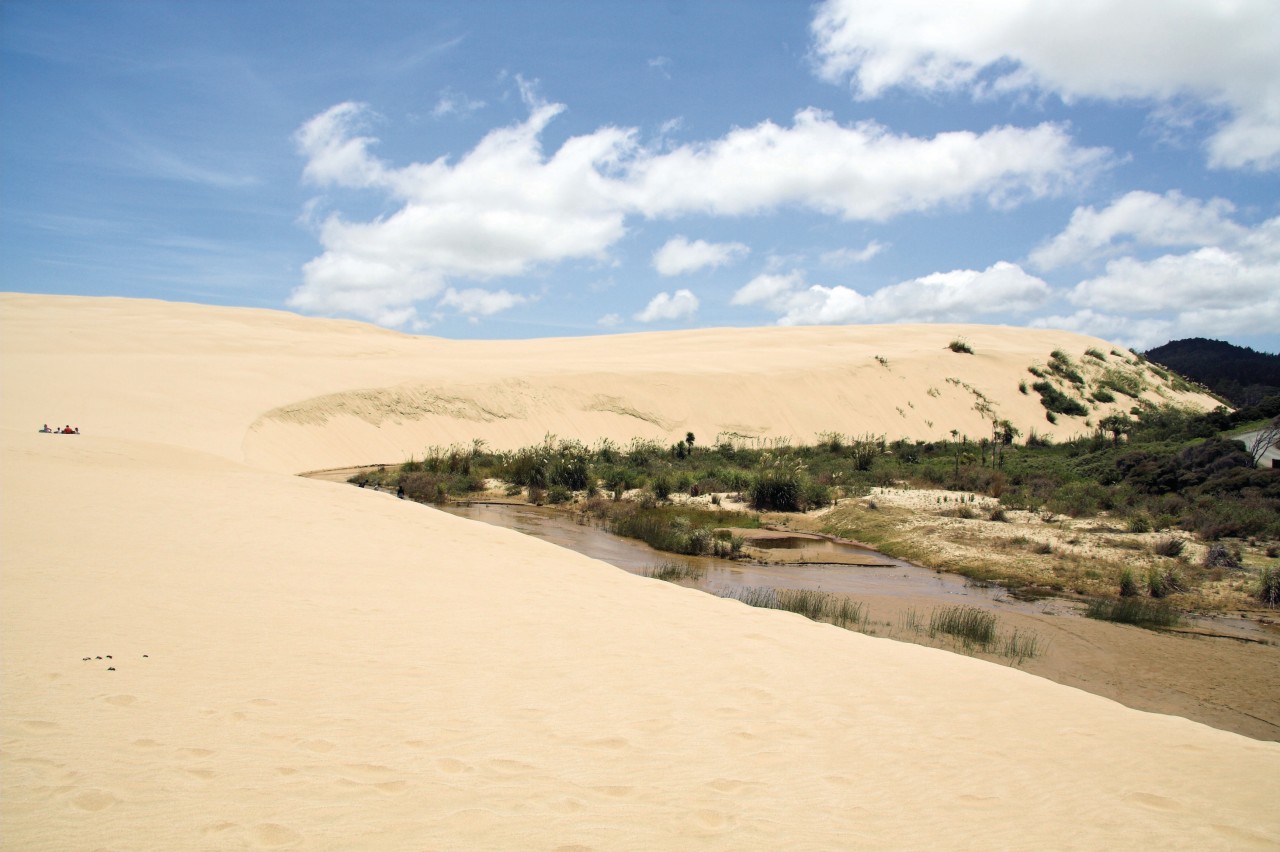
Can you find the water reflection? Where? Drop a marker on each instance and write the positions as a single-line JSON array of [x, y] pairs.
[[891, 578]]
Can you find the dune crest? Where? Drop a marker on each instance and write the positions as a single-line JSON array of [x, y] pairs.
[[295, 664]]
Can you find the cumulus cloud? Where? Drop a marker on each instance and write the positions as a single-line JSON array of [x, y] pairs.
[[1139, 219], [1222, 55], [858, 172], [957, 296], [507, 207], [1226, 289], [678, 256], [669, 306]]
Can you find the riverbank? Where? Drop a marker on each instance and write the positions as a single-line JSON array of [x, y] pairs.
[[1220, 671]]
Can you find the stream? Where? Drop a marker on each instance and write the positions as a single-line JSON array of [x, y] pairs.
[[889, 578]]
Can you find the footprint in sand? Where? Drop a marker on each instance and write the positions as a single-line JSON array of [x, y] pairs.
[[121, 700], [196, 752], [451, 766], [1151, 800], [321, 746], [39, 725], [270, 834], [94, 800]]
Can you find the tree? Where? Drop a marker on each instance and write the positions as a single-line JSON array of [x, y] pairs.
[[1117, 425], [1266, 438]]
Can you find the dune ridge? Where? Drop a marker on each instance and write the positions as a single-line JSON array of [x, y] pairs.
[[303, 665]]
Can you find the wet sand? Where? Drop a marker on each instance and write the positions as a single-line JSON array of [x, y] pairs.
[[1224, 682]]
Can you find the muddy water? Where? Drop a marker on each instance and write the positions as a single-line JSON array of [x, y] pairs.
[[891, 578]]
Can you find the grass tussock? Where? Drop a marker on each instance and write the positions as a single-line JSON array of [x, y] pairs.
[[674, 572], [1133, 610]]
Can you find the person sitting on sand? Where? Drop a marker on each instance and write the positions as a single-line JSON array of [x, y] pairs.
[[46, 428], [67, 430]]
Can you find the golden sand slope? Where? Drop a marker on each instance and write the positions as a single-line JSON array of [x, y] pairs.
[[302, 664]]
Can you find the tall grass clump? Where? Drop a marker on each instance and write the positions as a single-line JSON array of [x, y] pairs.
[[813, 604], [959, 345], [673, 572], [1134, 611], [1269, 586], [973, 626]]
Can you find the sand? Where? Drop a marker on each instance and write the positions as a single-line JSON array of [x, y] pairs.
[[302, 664]]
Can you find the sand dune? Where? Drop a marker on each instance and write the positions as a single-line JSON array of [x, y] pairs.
[[300, 664]]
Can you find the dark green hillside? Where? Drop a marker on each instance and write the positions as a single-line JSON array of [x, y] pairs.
[[1236, 373]]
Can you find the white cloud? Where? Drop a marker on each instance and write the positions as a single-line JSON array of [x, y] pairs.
[[1140, 334], [860, 172], [506, 206], [678, 256], [609, 321], [451, 103], [478, 302], [849, 257], [1139, 218], [1225, 55], [1215, 290], [669, 306], [957, 296]]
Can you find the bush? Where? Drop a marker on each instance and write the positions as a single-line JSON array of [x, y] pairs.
[[1161, 583], [1269, 586], [1057, 402], [1220, 557], [1128, 585], [1133, 611], [959, 345], [1170, 547], [1139, 524]]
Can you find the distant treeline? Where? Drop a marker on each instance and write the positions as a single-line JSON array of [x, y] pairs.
[[1236, 373]]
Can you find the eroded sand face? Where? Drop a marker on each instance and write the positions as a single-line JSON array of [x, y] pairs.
[[329, 667]]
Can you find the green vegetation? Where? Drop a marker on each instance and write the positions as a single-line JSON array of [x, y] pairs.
[[959, 345], [673, 572], [1269, 586], [1055, 401], [1133, 611], [973, 628], [1159, 469]]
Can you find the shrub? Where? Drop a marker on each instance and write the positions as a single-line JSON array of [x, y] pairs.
[[1161, 583], [959, 345], [1128, 585], [998, 514], [661, 487], [1094, 353], [1220, 557], [1139, 524], [1056, 401], [1103, 395], [1133, 611], [1269, 586], [1170, 547], [1022, 388]]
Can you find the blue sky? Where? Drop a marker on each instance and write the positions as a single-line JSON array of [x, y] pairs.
[[519, 169]]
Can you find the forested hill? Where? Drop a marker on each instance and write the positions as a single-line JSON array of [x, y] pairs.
[[1237, 373]]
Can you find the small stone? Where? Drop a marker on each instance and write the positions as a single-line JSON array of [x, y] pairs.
[[111, 668]]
